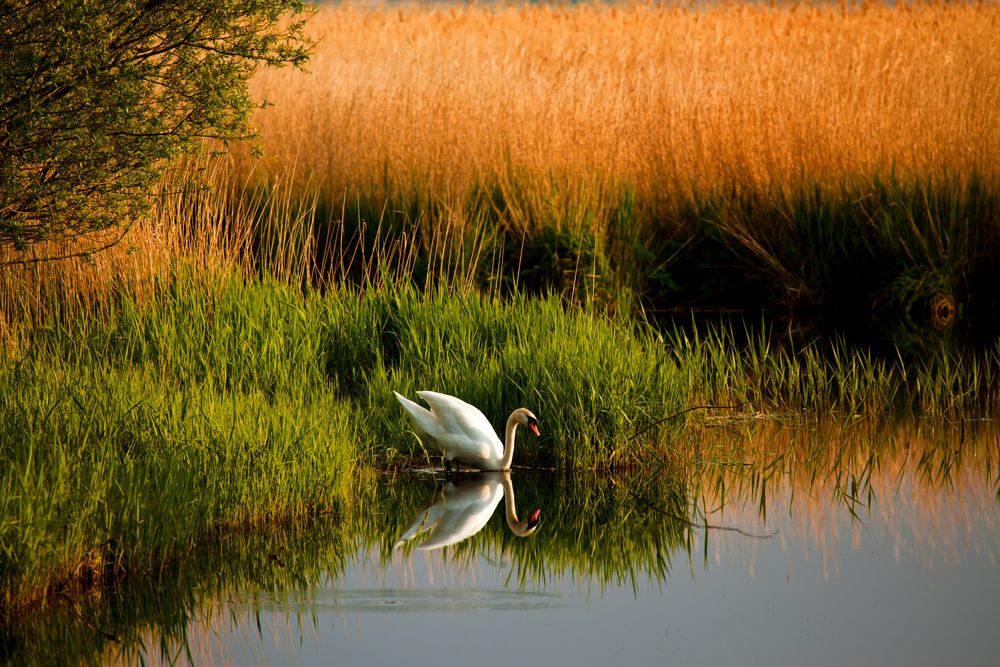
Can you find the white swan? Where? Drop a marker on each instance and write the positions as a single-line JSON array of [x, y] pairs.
[[462, 433], [458, 510]]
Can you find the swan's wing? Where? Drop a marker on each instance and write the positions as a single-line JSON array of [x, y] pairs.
[[460, 418], [465, 516], [424, 522]]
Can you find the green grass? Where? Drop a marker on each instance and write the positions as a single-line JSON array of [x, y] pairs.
[[591, 381], [763, 368], [128, 434]]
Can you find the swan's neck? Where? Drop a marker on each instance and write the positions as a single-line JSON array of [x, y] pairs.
[[508, 442], [510, 508]]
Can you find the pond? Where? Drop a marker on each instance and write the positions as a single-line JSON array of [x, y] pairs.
[[771, 542]]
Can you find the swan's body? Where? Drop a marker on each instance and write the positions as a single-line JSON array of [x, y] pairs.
[[462, 433], [459, 510]]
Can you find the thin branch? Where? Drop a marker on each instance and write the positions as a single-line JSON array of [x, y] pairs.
[[704, 524], [81, 253], [678, 414]]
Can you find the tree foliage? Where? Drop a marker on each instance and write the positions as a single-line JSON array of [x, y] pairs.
[[98, 96]]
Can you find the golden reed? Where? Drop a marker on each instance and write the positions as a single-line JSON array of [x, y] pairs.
[[669, 100]]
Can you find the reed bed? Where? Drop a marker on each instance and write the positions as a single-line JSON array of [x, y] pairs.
[[218, 233], [576, 101], [803, 157], [825, 160]]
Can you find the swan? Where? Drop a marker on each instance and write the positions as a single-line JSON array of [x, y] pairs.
[[459, 510], [462, 433]]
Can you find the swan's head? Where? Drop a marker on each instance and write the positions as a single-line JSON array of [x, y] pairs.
[[529, 525], [526, 418]]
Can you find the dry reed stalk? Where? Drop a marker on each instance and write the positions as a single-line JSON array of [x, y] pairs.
[[562, 106], [30, 289], [576, 100], [208, 229]]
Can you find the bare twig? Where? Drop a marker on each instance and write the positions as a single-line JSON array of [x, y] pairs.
[[678, 414], [704, 524]]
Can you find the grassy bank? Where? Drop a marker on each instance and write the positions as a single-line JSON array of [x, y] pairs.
[[129, 433]]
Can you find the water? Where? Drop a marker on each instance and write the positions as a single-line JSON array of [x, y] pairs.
[[774, 544]]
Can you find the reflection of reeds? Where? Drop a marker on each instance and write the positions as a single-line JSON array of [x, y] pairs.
[[927, 488], [181, 613]]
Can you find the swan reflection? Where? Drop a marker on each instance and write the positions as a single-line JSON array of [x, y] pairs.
[[461, 508]]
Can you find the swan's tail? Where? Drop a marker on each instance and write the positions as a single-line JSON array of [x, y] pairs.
[[419, 416]]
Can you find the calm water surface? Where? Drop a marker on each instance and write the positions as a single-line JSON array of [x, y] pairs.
[[771, 544], [883, 551]]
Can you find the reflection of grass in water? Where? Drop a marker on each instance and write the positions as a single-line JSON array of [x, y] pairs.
[[597, 530], [160, 619], [740, 477], [934, 485]]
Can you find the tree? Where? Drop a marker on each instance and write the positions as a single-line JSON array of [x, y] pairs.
[[98, 96]]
